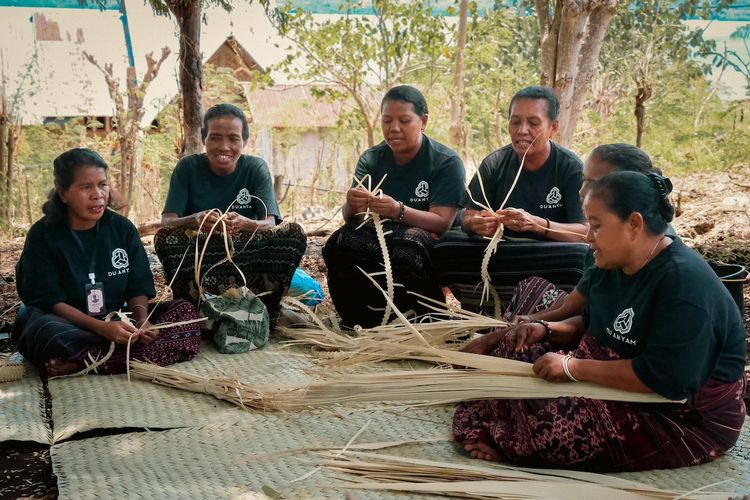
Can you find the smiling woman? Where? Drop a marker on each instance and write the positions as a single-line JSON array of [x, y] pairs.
[[223, 179], [82, 261]]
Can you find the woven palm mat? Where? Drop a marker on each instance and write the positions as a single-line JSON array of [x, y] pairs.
[[108, 402], [231, 460], [22, 410], [225, 460]]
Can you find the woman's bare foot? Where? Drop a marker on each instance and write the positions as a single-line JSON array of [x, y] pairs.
[[481, 450], [58, 366]]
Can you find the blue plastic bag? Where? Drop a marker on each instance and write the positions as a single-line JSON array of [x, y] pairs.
[[303, 283]]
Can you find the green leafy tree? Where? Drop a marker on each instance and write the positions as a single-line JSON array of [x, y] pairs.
[[359, 57], [646, 42], [501, 57]]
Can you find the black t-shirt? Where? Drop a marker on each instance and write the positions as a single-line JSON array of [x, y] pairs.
[[53, 267], [551, 191], [435, 177], [194, 188], [673, 318]]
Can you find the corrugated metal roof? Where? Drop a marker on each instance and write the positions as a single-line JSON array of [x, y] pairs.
[[291, 106]]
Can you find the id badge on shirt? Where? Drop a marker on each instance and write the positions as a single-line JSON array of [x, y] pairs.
[[95, 298]]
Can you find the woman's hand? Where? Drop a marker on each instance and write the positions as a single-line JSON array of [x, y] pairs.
[[357, 199], [483, 223], [519, 220], [550, 368], [118, 332], [385, 206], [486, 343], [237, 223], [146, 333], [521, 336], [211, 219]]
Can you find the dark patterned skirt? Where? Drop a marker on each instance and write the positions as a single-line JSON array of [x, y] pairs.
[[599, 435], [43, 336], [356, 299], [457, 257], [267, 259]]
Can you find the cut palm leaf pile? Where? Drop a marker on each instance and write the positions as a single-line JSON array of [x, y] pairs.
[[375, 471], [422, 387], [416, 339]]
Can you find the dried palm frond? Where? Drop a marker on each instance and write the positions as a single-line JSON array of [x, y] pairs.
[[427, 387], [376, 471], [444, 328]]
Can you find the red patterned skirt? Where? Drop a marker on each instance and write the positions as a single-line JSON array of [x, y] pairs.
[[596, 435]]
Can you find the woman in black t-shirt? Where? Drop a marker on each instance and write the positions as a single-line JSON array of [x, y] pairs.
[[658, 320], [266, 252], [82, 261], [422, 184]]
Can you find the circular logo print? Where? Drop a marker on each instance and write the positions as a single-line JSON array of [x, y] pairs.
[[244, 196], [554, 196], [120, 258], [423, 189], [624, 321]]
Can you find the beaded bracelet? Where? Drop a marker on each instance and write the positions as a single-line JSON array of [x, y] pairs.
[[547, 329], [566, 368]]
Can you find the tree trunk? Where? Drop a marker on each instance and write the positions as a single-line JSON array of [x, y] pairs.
[[188, 15], [570, 46], [596, 28], [568, 50], [456, 132], [642, 95], [4, 197], [13, 133], [549, 29]]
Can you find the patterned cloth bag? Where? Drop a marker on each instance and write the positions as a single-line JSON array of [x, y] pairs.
[[238, 320]]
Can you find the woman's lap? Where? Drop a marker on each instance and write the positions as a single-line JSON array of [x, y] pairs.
[[602, 435], [45, 336], [356, 299], [267, 260]]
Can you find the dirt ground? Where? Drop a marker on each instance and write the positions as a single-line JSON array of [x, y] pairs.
[[714, 218]]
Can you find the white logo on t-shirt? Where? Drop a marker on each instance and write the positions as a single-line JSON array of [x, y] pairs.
[[120, 258], [624, 321], [423, 189], [554, 196], [244, 196]]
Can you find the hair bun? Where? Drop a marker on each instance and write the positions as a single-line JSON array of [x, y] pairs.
[[663, 186]]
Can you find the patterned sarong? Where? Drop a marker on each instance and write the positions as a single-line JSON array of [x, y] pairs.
[[267, 260], [43, 336], [356, 299], [458, 257], [596, 435]]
